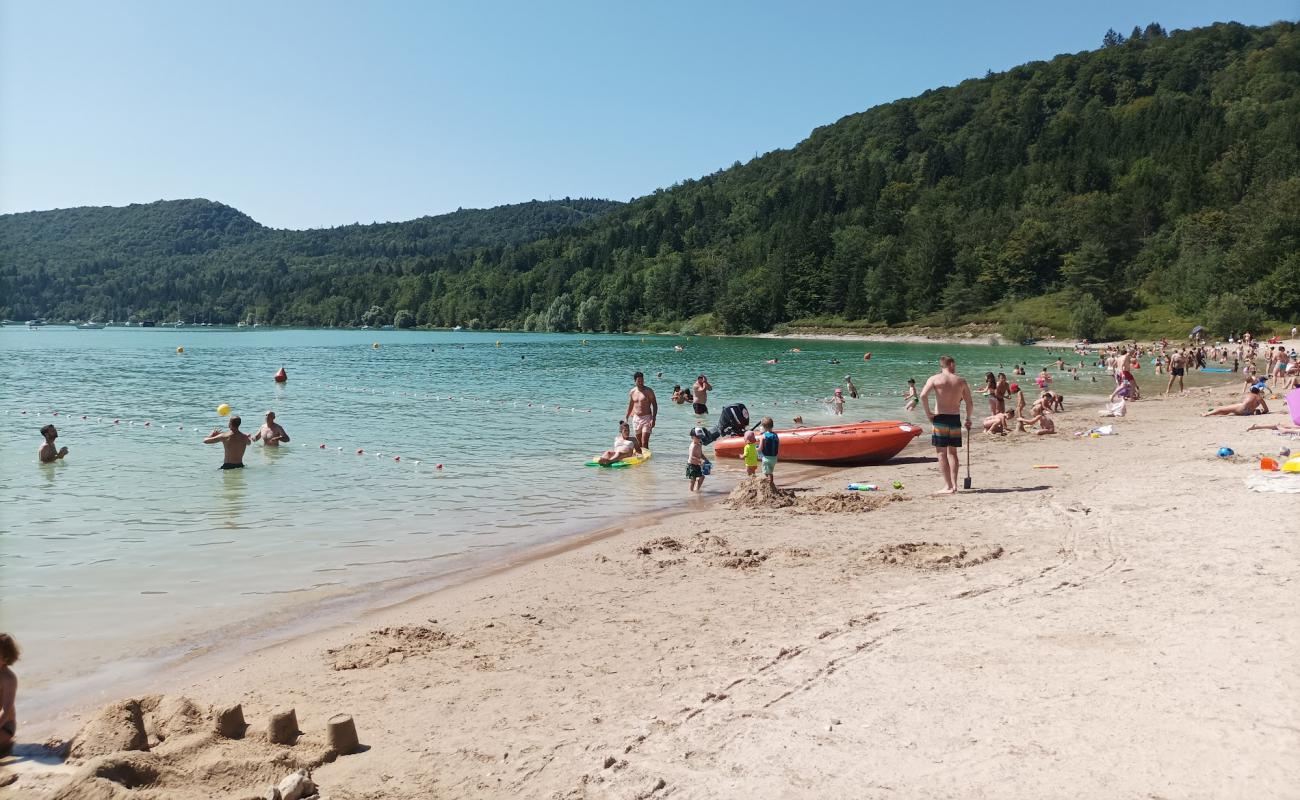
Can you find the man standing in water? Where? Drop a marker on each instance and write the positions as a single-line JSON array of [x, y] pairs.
[[950, 392], [642, 410], [233, 441], [701, 389], [271, 433], [1177, 366], [48, 453]]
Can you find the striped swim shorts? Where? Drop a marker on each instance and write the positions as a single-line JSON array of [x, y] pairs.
[[947, 430]]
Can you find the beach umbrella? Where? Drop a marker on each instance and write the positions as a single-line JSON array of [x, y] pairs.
[[1293, 405], [1198, 331]]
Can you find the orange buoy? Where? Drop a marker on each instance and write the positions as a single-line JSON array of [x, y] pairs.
[[281, 376]]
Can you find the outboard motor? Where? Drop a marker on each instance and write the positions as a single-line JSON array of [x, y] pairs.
[[733, 421]]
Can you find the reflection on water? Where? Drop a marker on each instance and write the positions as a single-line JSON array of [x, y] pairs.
[[233, 494], [138, 538]]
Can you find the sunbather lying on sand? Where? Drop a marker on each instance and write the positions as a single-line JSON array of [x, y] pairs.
[[1253, 404]]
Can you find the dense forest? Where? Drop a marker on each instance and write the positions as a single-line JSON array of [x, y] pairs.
[[1161, 171], [200, 260]]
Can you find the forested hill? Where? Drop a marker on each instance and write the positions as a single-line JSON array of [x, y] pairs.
[[197, 259], [1160, 171]]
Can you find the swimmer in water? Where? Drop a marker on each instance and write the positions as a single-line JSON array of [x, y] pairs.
[[48, 453], [271, 433], [853, 390], [233, 442], [911, 397]]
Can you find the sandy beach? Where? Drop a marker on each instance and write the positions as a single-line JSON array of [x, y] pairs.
[[1124, 624]]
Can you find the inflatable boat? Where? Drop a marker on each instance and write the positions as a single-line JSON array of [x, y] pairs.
[[852, 443]]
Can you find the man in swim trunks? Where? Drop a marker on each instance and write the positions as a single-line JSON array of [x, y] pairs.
[[271, 433], [234, 442], [1177, 366], [950, 392], [702, 388], [642, 409], [48, 453], [8, 694]]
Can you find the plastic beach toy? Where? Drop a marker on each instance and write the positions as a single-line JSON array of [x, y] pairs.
[[1268, 464], [223, 410], [863, 487], [1224, 452], [1292, 465]]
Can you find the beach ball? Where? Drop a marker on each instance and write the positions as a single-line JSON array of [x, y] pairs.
[[223, 410]]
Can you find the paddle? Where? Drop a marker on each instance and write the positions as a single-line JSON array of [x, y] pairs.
[[966, 483]]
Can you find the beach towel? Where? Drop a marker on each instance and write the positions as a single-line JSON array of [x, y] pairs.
[[1293, 405]]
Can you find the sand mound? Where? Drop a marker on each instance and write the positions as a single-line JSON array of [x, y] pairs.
[[116, 727], [388, 646], [716, 551], [932, 555], [662, 543], [758, 493], [848, 501], [167, 746]]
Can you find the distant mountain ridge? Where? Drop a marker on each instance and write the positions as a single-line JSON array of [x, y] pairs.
[[39, 250], [1157, 176]]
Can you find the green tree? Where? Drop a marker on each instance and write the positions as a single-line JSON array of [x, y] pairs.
[[1087, 317], [375, 317], [403, 319], [1228, 313]]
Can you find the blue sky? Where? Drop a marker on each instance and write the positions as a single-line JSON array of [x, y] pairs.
[[308, 114]]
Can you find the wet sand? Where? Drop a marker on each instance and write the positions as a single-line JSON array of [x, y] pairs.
[[1123, 625]]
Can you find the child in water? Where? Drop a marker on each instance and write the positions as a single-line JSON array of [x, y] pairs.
[[695, 460], [911, 397], [837, 403], [750, 454]]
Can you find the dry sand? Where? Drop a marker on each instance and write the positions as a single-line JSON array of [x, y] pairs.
[[1122, 626]]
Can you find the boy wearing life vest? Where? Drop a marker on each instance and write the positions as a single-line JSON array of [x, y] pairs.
[[768, 449]]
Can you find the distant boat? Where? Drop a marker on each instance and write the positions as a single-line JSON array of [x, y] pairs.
[[35, 323], [456, 328], [386, 327], [147, 324], [91, 326]]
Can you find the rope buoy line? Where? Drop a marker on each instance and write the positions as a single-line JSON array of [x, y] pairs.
[[119, 423]]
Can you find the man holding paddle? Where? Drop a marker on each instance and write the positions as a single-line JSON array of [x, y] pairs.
[[950, 392]]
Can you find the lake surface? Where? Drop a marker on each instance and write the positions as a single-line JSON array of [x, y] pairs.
[[137, 545]]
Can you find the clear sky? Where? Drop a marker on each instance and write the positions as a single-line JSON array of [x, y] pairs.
[[307, 114]]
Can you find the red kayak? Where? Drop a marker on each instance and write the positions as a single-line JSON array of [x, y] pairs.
[[854, 443]]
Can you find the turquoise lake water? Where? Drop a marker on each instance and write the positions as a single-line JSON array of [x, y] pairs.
[[137, 544]]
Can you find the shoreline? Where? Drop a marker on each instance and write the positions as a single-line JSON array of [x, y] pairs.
[[980, 644], [190, 655]]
